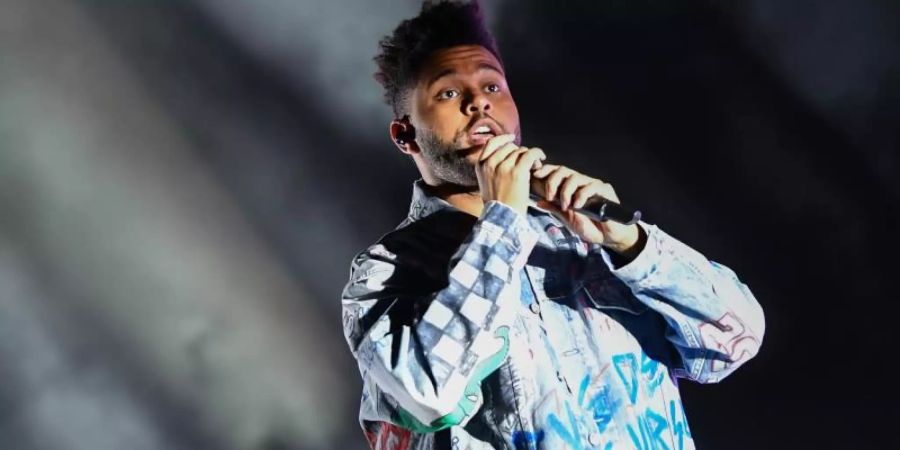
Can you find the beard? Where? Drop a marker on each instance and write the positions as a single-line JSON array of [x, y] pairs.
[[447, 160]]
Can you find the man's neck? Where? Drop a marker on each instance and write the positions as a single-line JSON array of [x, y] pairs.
[[465, 198]]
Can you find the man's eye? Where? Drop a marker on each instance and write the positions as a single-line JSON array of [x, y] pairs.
[[493, 88], [448, 94]]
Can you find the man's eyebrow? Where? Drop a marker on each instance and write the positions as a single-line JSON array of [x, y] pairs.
[[451, 71]]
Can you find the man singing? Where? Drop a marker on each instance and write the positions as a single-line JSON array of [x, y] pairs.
[[486, 320]]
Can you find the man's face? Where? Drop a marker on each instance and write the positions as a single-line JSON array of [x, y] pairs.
[[460, 101]]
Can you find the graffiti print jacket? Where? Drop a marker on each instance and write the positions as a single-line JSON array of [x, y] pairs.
[[509, 332]]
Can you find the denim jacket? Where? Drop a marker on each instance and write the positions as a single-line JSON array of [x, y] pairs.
[[510, 332]]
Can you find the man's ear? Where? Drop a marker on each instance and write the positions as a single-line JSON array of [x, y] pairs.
[[404, 135]]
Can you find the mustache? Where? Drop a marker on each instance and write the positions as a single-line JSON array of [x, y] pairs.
[[475, 119]]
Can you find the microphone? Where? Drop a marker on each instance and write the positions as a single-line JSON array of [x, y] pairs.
[[601, 209], [598, 208]]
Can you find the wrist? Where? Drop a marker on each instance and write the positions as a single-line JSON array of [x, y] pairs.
[[630, 248]]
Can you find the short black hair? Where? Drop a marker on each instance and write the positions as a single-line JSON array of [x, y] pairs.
[[439, 25]]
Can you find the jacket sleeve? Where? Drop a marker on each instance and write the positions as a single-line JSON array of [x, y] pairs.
[[715, 322], [430, 351]]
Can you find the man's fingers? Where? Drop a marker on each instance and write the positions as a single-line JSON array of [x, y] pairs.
[[509, 163], [541, 151], [583, 194], [528, 159], [501, 154], [568, 188], [535, 163], [544, 170], [555, 178], [597, 187], [495, 143]]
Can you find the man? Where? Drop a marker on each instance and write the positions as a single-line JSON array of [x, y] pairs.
[[485, 320]]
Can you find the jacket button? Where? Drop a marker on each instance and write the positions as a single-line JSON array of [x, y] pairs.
[[535, 307]]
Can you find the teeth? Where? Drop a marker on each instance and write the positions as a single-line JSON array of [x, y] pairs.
[[483, 129]]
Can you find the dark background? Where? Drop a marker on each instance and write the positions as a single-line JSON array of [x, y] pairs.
[[184, 183]]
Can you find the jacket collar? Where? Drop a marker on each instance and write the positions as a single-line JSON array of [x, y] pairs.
[[424, 204]]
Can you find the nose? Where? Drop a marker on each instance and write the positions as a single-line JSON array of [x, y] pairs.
[[478, 104]]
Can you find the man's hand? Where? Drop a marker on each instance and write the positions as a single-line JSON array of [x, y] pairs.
[[571, 190], [504, 171]]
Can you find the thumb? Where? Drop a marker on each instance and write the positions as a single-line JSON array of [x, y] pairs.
[[565, 216]]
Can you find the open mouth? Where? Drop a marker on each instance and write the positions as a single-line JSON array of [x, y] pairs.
[[482, 131]]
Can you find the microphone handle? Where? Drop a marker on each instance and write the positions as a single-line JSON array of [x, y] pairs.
[[601, 209]]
